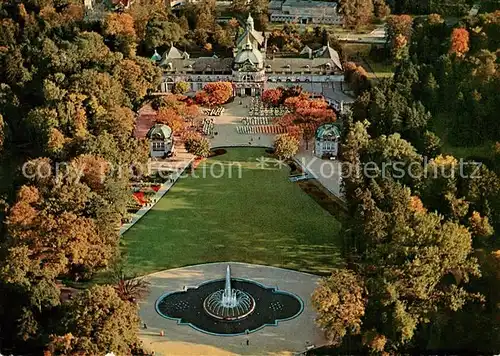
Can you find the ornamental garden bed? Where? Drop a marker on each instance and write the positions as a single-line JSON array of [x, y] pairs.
[[142, 195]]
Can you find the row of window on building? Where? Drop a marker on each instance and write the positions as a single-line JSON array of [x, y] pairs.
[[280, 17]]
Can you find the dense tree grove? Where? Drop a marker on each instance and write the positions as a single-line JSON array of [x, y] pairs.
[[340, 301], [69, 86], [97, 321], [197, 21], [458, 76], [422, 229]]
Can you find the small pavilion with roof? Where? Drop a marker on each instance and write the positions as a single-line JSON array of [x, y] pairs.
[[326, 140], [161, 141]]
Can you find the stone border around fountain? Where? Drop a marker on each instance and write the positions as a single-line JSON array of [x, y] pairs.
[[246, 332]]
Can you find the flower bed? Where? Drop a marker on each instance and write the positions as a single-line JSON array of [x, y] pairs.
[[140, 197], [147, 189]]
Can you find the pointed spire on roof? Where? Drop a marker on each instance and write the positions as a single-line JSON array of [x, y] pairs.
[[173, 52], [329, 52], [250, 23], [155, 57]]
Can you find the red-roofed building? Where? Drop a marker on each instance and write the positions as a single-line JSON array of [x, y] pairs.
[[146, 119], [160, 137]]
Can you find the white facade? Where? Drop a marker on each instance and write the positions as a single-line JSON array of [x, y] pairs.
[[326, 141], [252, 70], [161, 141], [297, 11]]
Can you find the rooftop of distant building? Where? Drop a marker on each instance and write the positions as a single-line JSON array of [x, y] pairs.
[[301, 3]]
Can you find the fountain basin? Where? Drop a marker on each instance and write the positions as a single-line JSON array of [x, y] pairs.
[[271, 306], [241, 305]]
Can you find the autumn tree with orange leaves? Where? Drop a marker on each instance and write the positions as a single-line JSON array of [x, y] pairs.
[[272, 97], [176, 111], [201, 98], [89, 84], [459, 42], [56, 241], [306, 116], [94, 317], [172, 119], [399, 30], [340, 301], [120, 28], [216, 93]]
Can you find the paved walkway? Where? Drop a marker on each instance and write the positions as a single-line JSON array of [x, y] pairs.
[[225, 126], [177, 165], [287, 338], [327, 172]]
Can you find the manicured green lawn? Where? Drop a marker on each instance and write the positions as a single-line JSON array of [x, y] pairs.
[[259, 218], [380, 70]]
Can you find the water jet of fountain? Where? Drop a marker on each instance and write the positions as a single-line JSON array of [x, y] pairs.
[[229, 296], [228, 303]]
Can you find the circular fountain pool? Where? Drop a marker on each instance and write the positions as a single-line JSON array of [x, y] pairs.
[[229, 306]]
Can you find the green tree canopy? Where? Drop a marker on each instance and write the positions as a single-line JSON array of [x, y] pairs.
[[97, 321]]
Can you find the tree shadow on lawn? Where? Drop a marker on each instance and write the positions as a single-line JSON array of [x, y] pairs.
[[168, 239], [261, 218]]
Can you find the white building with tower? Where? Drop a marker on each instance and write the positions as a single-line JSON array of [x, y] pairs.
[[252, 69]]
